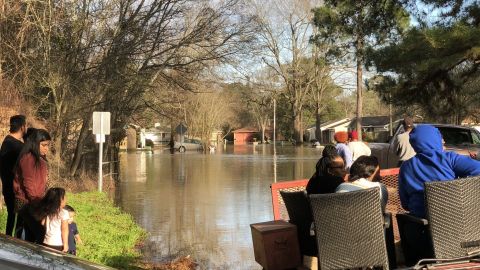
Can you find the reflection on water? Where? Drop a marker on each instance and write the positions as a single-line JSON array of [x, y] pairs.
[[202, 205]]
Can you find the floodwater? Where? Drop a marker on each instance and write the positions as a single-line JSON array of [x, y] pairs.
[[202, 204]]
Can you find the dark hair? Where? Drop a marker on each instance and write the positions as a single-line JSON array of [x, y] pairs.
[[32, 144], [69, 208], [329, 154], [17, 122], [407, 122], [363, 167], [50, 205]]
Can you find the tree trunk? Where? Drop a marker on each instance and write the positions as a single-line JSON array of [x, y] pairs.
[[359, 87], [318, 123], [77, 157], [263, 133]]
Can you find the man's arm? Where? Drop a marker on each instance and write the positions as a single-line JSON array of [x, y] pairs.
[[464, 166]]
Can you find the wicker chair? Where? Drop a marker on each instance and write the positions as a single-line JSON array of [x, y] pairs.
[[453, 211], [299, 212], [349, 230]]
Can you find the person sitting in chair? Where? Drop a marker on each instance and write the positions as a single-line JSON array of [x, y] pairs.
[[431, 163], [329, 172], [365, 173]]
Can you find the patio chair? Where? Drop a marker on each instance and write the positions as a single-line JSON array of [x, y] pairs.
[[349, 228], [298, 209], [415, 238], [453, 211]]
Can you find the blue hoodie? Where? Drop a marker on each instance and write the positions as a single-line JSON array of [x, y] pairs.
[[431, 163]]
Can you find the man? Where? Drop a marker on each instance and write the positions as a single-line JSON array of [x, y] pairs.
[[431, 163], [402, 146], [9, 152], [357, 147], [329, 172], [341, 137]]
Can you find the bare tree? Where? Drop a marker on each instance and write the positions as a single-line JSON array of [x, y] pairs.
[[71, 58], [285, 33]]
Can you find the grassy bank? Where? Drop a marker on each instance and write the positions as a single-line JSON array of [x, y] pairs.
[[109, 235]]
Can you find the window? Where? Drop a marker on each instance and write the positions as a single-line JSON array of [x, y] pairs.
[[475, 137], [457, 136]]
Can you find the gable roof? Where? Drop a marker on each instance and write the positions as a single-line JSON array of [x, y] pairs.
[[245, 130], [331, 124], [373, 121]]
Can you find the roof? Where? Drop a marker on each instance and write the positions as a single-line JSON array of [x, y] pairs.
[[331, 124], [246, 130], [373, 121]]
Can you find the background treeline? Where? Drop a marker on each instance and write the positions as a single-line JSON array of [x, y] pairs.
[[221, 64]]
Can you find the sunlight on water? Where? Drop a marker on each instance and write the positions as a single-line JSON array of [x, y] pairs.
[[202, 205]]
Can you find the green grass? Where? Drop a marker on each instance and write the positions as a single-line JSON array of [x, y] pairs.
[[109, 235]]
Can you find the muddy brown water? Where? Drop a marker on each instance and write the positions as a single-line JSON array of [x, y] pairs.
[[202, 204]]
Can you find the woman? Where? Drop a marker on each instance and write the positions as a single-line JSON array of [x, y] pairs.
[[329, 173], [31, 171]]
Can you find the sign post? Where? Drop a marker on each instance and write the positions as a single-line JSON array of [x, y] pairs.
[[101, 127]]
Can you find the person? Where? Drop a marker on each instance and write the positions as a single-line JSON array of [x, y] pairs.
[[431, 163], [9, 152], [341, 138], [329, 172], [50, 212], [401, 145], [357, 147], [31, 172], [73, 234], [364, 174]]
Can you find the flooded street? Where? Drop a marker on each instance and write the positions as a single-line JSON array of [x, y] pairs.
[[202, 205]]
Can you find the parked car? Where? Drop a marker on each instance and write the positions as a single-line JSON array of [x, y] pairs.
[[188, 144], [460, 139], [18, 254]]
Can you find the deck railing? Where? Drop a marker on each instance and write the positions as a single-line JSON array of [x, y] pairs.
[[389, 178]]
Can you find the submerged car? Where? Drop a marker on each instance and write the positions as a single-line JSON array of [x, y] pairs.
[[18, 254], [460, 139], [188, 144]]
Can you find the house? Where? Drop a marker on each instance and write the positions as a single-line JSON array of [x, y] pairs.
[[328, 129], [244, 135], [158, 135], [375, 128]]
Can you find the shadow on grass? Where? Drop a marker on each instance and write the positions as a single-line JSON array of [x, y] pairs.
[[126, 262]]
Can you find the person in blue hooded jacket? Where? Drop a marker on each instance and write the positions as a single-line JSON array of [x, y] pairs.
[[431, 163]]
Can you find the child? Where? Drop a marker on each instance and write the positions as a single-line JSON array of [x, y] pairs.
[[73, 235], [49, 211]]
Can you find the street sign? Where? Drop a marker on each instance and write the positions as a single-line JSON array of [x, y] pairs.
[[101, 127], [181, 129], [101, 123]]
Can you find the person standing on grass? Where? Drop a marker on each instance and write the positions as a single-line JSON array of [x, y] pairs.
[[9, 152], [357, 147], [31, 173], [73, 234]]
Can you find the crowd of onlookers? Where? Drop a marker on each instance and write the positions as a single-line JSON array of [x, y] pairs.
[[422, 158], [34, 213]]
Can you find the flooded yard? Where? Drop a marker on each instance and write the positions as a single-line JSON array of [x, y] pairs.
[[202, 205]]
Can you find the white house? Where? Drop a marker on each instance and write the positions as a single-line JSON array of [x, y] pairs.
[[328, 129]]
